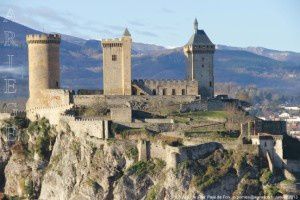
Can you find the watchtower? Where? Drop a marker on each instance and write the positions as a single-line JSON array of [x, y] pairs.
[[117, 65], [44, 65], [200, 66]]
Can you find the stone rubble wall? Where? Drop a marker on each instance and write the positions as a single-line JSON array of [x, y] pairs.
[[168, 87], [174, 155], [83, 127], [53, 114], [121, 114], [88, 100]]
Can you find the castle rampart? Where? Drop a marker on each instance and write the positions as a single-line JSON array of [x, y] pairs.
[[174, 155], [82, 127], [165, 87]]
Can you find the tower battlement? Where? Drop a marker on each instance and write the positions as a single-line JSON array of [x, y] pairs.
[[114, 40], [43, 38]]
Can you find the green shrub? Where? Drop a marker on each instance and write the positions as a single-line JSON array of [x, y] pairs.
[[152, 194], [266, 176], [271, 191], [132, 153], [29, 189], [214, 171], [152, 167]]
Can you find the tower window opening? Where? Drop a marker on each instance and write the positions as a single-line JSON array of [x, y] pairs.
[[202, 65], [183, 91], [164, 91], [154, 91], [114, 58], [173, 92], [57, 84], [210, 83]]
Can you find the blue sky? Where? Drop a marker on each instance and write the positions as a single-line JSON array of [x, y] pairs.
[[272, 24]]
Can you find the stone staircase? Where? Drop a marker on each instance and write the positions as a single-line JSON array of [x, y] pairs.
[[140, 85]]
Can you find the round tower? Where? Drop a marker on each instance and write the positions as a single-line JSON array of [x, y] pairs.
[[44, 65]]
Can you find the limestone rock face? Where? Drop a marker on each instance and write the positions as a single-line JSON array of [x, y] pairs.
[[82, 169], [89, 168]]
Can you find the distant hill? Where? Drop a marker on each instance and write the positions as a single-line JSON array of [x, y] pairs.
[[288, 56], [81, 63]]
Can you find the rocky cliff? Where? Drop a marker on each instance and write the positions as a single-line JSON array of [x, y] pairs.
[[59, 165]]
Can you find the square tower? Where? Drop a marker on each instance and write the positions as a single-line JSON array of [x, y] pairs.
[[117, 65], [200, 62]]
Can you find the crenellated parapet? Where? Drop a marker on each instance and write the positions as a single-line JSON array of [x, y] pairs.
[[199, 48], [43, 38], [116, 42], [167, 87]]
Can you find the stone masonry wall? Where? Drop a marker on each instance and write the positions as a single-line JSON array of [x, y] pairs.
[[53, 114], [83, 127], [174, 155], [167, 87], [88, 100]]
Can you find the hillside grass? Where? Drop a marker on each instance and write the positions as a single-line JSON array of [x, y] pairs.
[[200, 115]]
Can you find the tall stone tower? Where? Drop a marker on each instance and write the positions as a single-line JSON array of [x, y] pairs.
[[117, 65], [44, 65], [200, 66]]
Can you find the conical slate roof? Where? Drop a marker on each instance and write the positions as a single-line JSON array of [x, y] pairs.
[[199, 37], [126, 33]]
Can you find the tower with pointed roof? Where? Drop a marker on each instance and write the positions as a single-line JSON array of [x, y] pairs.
[[117, 65], [200, 66]]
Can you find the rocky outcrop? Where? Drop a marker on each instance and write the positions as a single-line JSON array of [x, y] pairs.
[[90, 168]]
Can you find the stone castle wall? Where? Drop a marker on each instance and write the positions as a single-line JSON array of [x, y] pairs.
[[166, 87], [53, 113], [88, 100], [121, 114], [82, 127], [174, 155], [50, 104]]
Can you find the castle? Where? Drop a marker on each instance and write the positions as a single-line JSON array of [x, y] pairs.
[[44, 69], [45, 95], [200, 77], [117, 69], [122, 95]]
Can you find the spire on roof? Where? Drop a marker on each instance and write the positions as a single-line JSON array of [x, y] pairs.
[[126, 33], [196, 25]]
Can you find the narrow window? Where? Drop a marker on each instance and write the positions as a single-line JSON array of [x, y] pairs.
[[183, 91], [164, 91], [210, 83], [57, 84], [154, 91], [173, 92], [114, 57], [202, 65]]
